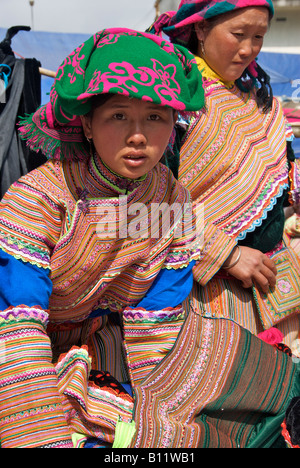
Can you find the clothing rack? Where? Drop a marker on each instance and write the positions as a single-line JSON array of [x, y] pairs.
[[6, 46], [45, 72]]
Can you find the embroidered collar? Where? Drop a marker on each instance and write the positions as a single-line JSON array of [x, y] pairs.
[[102, 181], [209, 74]]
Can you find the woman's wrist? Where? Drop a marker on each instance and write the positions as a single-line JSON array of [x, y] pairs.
[[232, 259]]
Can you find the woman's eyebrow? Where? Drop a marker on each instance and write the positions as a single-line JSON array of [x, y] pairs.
[[117, 105]]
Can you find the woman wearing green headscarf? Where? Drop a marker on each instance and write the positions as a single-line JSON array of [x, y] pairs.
[[96, 259], [80, 241]]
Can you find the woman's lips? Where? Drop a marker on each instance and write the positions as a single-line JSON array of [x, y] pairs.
[[135, 159], [139, 155]]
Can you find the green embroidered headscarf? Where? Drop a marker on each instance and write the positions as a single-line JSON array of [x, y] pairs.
[[120, 61]]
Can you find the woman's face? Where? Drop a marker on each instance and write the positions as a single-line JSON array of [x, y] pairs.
[[130, 135], [233, 41]]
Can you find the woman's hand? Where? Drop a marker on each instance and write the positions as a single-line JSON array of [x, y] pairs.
[[252, 267], [291, 210], [297, 208]]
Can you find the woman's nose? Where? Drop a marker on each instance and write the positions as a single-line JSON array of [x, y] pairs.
[[246, 48], [136, 135]]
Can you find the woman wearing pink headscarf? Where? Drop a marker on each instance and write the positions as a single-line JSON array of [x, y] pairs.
[[237, 161]]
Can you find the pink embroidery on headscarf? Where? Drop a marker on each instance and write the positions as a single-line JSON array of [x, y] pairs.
[[76, 65], [167, 75], [109, 39], [123, 76], [73, 59], [169, 89], [110, 36]]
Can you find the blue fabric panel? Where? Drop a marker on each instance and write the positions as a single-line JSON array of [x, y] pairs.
[[296, 147], [23, 283], [169, 289]]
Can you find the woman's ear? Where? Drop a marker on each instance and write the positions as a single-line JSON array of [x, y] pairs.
[[175, 117], [86, 124], [202, 29], [199, 30]]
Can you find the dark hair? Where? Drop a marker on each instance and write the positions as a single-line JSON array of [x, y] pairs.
[[98, 100], [264, 93], [192, 44]]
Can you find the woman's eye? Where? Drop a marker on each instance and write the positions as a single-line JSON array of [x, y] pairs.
[[154, 117], [119, 116]]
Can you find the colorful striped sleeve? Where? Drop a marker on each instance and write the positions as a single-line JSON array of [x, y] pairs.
[[216, 249], [30, 223]]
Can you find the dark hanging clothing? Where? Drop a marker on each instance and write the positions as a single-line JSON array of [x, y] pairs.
[[22, 96]]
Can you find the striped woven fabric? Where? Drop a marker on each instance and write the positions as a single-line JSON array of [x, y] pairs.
[[218, 387], [103, 337], [233, 160], [149, 336], [91, 411], [42, 405], [106, 346], [55, 218], [31, 411], [223, 297]]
